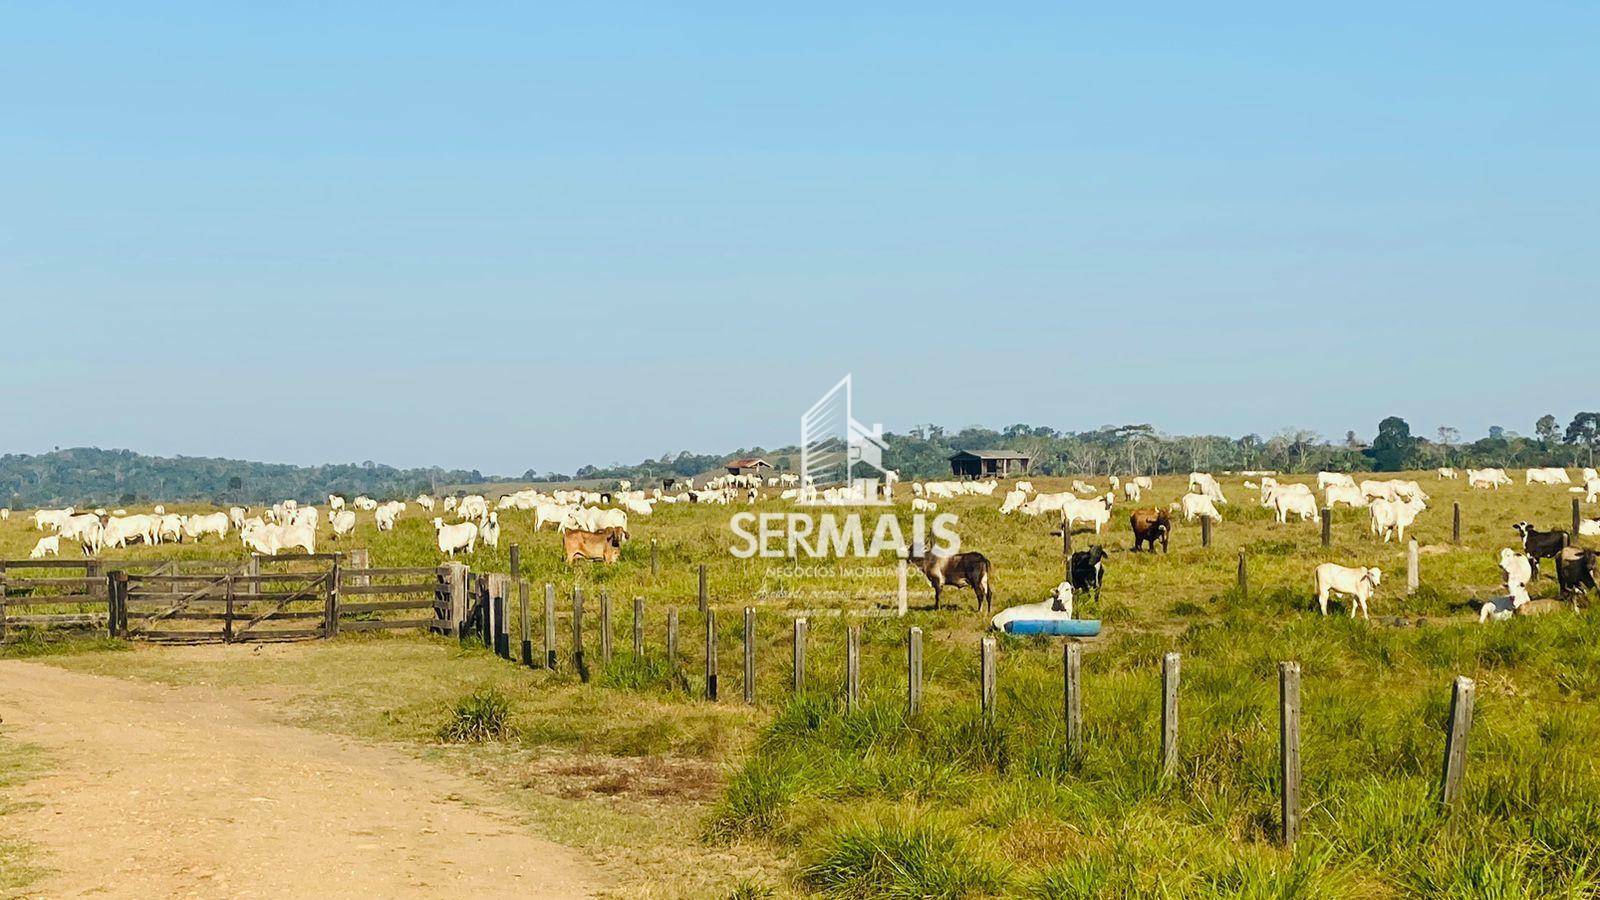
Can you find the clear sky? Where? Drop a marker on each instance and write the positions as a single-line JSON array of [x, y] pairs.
[[539, 235]]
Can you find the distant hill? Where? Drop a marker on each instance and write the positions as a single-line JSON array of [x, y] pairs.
[[91, 476]]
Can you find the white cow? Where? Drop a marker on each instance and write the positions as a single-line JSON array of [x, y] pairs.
[[236, 516], [491, 530], [1328, 479], [1206, 483], [51, 518], [1196, 505], [919, 504], [169, 527], [1144, 481], [198, 525], [1357, 584], [343, 522], [1131, 491], [335, 503], [1550, 475], [426, 502], [456, 537], [5, 513], [1487, 478], [365, 503], [1094, 510], [1025, 486], [1013, 501], [473, 506], [1448, 474], [1389, 518], [1591, 488], [1302, 505], [46, 546], [1348, 494]]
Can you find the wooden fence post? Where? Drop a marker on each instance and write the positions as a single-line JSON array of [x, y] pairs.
[[550, 626], [330, 612], [1577, 518], [360, 558], [1244, 578], [800, 630], [1413, 567], [500, 589], [1455, 525], [111, 609], [527, 624], [227, 612], [1169, 714], [1455, 742], [252, 568], [516, 562], [1289, 750], [605, 628], [702, 589], [1205, 532], [749, 654], [1327, 526], [578, 662], [1072, 664], [458, 597], [913, 671], [900, 587], [655, 560], [852, 667], [122, 603], [711, 654], [986, 678], [638, 627], [672, 638]]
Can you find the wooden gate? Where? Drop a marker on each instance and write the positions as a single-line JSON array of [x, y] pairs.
[[229, 608]]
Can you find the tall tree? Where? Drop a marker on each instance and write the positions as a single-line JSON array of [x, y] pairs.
[[1394, 446], [1547, 430], [1585, 432]]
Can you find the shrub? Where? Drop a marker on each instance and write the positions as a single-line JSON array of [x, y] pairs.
[[483, 715]]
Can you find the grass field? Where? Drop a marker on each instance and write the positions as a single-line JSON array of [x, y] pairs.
[[799, 795]]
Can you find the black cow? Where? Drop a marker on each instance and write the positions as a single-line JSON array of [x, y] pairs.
[[1575, 572], [1540, 544], [958, 570], [1087, 570]]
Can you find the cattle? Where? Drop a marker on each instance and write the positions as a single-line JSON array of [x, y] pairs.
[[1024, 486], [1270, 490], [958, 570], [918, 504], [343, 522], [1589, 527], [1549, 475], [1326, 480], [169, 528], [236, 516], [491, 530], [473, 506], [1144, 481], [1094, 510], [1487, 479], [46, 546], [364, 503], [1589, 474], [1378, 490], [1390, 518], [426, 502], [335, 503], [455, 537], [1206, 484], [120, 531], [1132, 491], [1448, 473], [605, 546], [51, 518], [1540, 544], [5, 513], [1082, 487], [1149, 526], [1591, 487], [1349, 495], [1357, 584], [1515, 568], [1013, 502], [1197, 505], [198, 525], [1086, 569], [1061, 599], [385, 515], [1575, 572], [159, 510], [1302, 505]]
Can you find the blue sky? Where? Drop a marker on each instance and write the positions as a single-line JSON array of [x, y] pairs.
[[513, 236]]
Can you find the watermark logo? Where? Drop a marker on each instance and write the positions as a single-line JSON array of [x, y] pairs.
[[841, 464], [841, 460]]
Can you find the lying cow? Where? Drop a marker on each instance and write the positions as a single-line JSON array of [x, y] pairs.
[[604, 545], [1357, 584], [958, 570], [1149, 526]]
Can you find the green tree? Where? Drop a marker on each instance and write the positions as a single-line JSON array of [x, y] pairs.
[[1547, 430], [1585, 432], [1394, 446]]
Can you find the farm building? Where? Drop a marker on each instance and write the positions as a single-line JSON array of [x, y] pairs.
[[987, 463], [753, 465]]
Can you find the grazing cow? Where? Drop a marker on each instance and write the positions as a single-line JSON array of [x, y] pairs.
[[1144, 481], [1087, 570], [1196, 505], [1326, 480], [213, 523], [1349, 495], [1357, 584], [1390, 518], [1487, 479], [605, 546], [343, 522], [1024, 486], [958, 570], [1550, 475], [1082, 487], [1013, 502], [463, 536], [50, 546], [1591, 487], [1448, 473], [1575, 572], [1132, 491], [1302, 505], [51, 518], [1589, 527], [169, 527], [920, 505], [1206, 483], [1540, 544], [1149, 526]]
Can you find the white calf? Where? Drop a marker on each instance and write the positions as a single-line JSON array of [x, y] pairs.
[[1357, 584], [46, 546]]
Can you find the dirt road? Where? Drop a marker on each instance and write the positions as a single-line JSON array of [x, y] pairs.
[[158, 791]]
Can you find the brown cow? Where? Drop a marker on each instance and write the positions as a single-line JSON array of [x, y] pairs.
[[958, 570], [604, 545], [1149, 526]]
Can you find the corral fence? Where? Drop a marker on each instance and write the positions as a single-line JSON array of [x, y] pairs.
[[263, 598]]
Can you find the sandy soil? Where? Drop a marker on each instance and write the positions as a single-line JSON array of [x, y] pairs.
[[158, 791]]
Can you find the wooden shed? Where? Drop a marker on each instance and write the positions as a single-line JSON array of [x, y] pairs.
[[752, 465], [989, 463]]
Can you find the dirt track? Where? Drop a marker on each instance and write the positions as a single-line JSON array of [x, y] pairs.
[[158, 791]]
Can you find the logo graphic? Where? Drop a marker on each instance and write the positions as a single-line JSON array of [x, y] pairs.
[[833, 445]]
